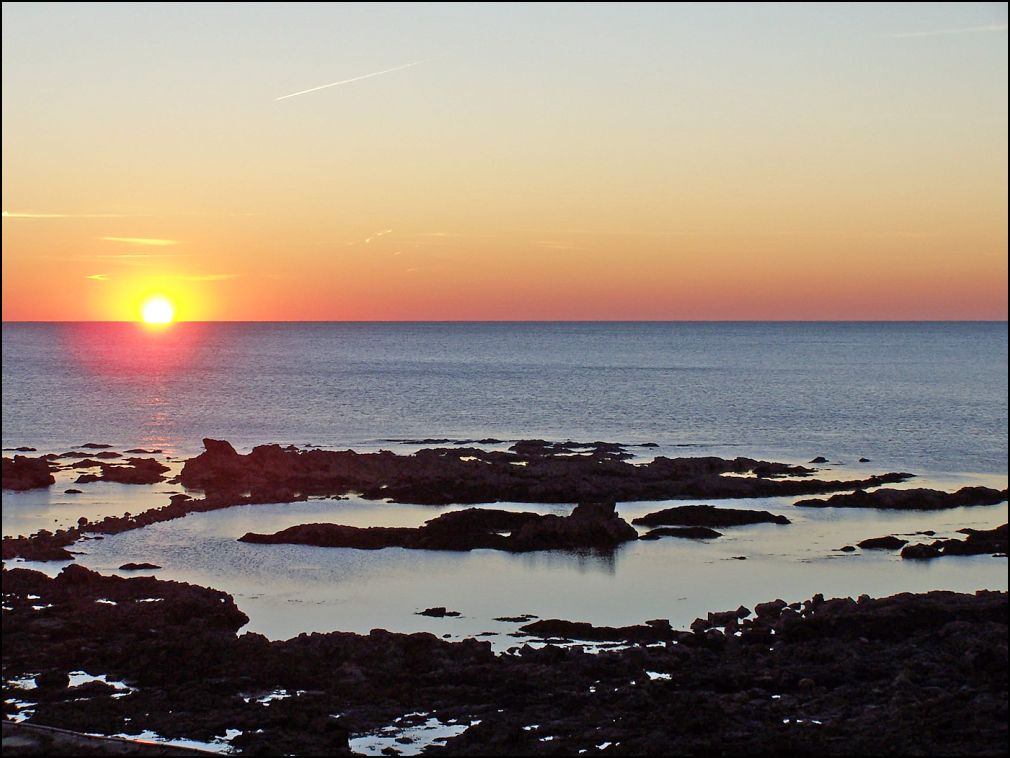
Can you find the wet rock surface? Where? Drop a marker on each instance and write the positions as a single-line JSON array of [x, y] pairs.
[[709, 516], [684, 532], [532, 471], [923, 674], [910, 500], [889, 542], [978, 542], [589, 526], [22, 472], [133, 471]]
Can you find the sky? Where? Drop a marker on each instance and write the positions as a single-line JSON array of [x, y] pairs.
[[505, 162]]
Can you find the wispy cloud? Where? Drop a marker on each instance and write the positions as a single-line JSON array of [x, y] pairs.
[[941, 32], [98, 277], [19, 215], [348, 81], [376, 236], [146, 241]]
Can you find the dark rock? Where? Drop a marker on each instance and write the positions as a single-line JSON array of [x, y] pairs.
[[978, 542], [708, 515], [770, 609], [579, 630], [108, 454], [437, 612], [910, 500], [138, 566], [590, 525], [819, 459], [52, 680], [548, 472], [72, 491], [864, 460], [926, 672], [135, 471], [882, 543], [24, 473], [517, 619], [95, 446], [687, 532], [142, 451], [847, 549]]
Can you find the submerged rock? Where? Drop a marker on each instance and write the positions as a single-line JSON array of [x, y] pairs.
[[708, 515], [882, 543], [685, 532], [437, 612]]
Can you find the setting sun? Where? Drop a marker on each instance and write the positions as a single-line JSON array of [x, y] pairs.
[[157, 310]]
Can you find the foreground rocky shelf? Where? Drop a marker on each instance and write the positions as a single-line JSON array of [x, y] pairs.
[[923, 674]]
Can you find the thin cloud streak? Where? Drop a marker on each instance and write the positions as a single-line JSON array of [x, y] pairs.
[[348, 81], [98, 277], [941, 32], [147, 241], [8, 214]]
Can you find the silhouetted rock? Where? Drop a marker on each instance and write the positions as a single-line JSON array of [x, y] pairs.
[[978, 542], [882, 543], [138, 566], [708, 515], [530, 471], [918, 656], [72, 491], [686, 532], [437, 612], [95, 446], [864, 460], [910, 500], [590, 525], [819, 459], [847, 549], [24, 473]]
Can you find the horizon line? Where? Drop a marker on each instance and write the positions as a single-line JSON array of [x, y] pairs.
[[531, 321]]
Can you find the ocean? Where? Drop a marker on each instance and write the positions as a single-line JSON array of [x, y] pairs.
[[923, 396], [927, 398]]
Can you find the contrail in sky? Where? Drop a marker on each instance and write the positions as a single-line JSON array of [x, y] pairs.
[[348, 81]]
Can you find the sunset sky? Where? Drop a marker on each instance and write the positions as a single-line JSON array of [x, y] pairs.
[[505, 162]]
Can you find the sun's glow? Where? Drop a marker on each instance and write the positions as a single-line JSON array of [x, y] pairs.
[[157, 310]]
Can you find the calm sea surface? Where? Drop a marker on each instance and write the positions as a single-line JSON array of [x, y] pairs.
[[930, 399], [921, 396]]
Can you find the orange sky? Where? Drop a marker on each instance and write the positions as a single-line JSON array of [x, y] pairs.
[[565, 162]]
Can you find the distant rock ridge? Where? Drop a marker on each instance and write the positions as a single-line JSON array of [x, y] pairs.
[[531, 471]]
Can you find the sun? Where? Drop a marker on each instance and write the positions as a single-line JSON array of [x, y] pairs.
[[157, 310]]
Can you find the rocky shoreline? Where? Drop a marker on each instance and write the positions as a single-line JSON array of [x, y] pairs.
[[924, 673]]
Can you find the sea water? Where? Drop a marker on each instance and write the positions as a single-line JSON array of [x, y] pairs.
[[928, 398]]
